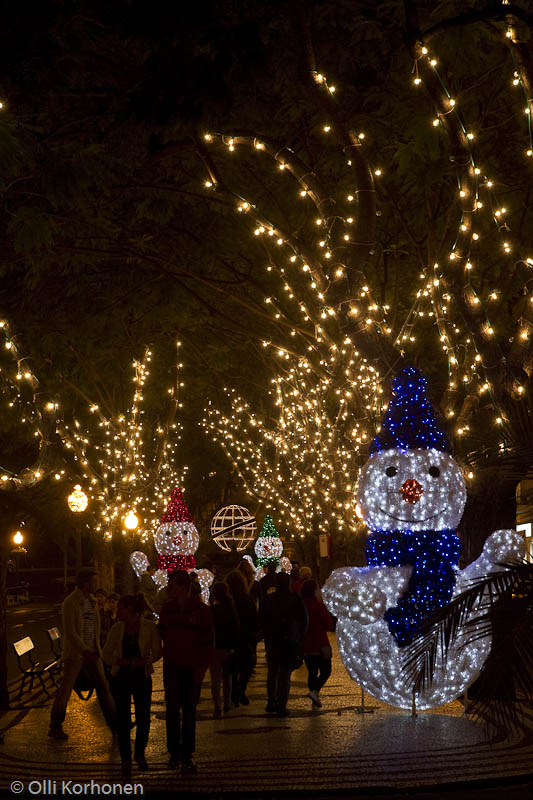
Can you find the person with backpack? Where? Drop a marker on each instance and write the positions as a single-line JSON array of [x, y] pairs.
[[283, 620], [226, 624], [81, 653], [244, 660]]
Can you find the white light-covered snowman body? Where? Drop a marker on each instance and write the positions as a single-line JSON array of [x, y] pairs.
[[269, 547], [176, 543], [419, 493], [284, 566]]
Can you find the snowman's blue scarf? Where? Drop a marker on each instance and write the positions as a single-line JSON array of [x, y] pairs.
[[433, 556]]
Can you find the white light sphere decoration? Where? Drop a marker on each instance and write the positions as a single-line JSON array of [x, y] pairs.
[[233, 528]]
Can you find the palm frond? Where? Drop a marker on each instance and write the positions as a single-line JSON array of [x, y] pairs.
[[499, 605]]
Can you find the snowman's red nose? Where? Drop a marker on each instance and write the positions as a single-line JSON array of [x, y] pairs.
[[412, 491]]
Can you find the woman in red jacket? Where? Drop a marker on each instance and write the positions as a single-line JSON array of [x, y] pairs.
[[315, 646]]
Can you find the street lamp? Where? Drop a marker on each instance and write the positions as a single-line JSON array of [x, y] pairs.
[[78, 500], [18, 538], [131, 520]]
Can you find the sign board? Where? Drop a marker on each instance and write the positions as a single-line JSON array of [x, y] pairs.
[[323, 544]]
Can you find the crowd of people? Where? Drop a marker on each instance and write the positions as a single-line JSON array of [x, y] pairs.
[[110, 644]]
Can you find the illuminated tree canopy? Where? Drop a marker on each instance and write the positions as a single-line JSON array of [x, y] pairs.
[[402, 128]]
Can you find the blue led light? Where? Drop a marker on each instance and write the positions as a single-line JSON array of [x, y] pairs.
[[410, 421], [433, 556]]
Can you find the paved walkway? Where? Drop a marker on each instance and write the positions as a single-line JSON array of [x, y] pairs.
[[342, 749]]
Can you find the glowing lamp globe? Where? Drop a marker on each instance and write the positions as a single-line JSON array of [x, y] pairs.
[[131, 521], [18, 538], [233, 528], [78, 500]]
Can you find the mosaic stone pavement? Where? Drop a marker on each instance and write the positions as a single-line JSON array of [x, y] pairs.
[[345, 748]]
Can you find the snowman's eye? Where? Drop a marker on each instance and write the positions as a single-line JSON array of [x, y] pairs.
[[434, 472], [390, 472]]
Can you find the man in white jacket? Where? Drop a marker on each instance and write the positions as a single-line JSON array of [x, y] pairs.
[[81, 651]]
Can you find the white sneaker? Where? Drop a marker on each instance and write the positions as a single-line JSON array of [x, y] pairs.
[[313, 694]]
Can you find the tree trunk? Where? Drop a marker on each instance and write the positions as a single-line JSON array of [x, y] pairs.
[[491, 505], [78, 554], [65, 561], [4, 692]]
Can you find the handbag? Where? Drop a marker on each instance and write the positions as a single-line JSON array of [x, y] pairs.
[[84, 683]]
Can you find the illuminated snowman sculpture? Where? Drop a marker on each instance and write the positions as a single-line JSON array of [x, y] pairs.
[[176, 540], [411, 494], [269, 547]]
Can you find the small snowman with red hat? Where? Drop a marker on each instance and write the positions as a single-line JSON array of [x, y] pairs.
[[411, 494], [176, 540]]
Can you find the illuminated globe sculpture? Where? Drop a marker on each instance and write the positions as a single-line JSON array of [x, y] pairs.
[[233, 528], [411, 494]]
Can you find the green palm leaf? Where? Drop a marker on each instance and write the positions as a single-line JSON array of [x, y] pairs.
[[503, 606]]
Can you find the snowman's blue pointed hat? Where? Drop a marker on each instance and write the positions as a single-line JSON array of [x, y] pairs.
[[410, 420]]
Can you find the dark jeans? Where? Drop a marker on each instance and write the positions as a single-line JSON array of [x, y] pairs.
[[180, 699], [316, 664], [128, 683], [243, 666], [278, 677]]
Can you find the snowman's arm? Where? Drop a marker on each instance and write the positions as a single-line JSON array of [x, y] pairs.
[[346, 595], [139, 562], [160, 578], [500, 547], [205, 578], [364, 593]]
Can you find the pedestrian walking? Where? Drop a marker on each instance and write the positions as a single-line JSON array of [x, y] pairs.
[[304, 574], [244, 661], [315, 646], [108, 616], [100, 596], [132, 646], [81, 652], [283, 620], [226, 625], [148, 586], [252, 586], [268, 583], [295, 572], [186, 627]]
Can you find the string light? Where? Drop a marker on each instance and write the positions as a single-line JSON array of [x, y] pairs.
[[126, 463]]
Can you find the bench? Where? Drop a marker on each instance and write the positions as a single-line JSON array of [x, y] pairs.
[[54, 637], [16, 595], [31, 669]]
